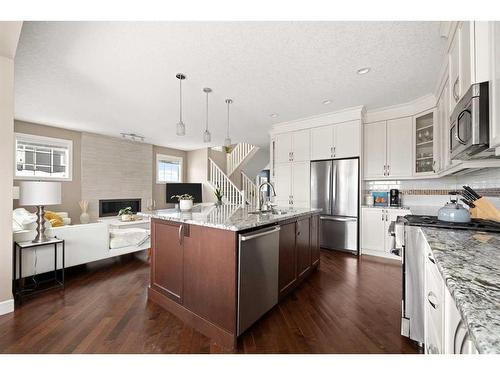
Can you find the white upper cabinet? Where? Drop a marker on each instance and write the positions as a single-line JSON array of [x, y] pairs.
[[399, 142], [388, 148], [426, 149], [293, 146], [322, 143], [347, 139], [283, 148], [337, 141], [453, 73], [375, 146], [465, 63], [495, 85], [443, 119], [301, 145]]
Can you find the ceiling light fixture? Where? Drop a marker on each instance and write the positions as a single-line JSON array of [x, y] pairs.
[[181, 128], [227, 141], [133, 137], [206, 134], [363, 70], [274, 115], [327, 101]]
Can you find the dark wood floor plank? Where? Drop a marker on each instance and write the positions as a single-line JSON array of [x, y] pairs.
[[348, 305]]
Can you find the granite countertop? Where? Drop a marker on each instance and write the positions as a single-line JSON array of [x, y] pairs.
[[228, 217], [469, 262]]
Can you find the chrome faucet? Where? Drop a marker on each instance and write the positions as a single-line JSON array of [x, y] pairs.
[[264, 205]]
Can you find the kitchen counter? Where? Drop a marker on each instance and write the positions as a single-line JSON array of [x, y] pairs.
[[386, 207], [469, 262], [227, 217]]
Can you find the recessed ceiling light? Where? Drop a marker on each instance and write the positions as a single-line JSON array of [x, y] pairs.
[[274, 115], [327, 101], [363, 70]]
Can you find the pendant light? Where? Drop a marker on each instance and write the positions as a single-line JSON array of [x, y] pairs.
[[206, 134], [227, 141], [181, 128]]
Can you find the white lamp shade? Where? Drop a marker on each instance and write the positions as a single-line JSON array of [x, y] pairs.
[[39, 193]]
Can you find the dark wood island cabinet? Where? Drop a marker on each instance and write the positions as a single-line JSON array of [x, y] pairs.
[[194, 270]]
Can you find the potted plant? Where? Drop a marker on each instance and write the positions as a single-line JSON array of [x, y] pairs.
[[185, 201], [219, 195], [126, 214]]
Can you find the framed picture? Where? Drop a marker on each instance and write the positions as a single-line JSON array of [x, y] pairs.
[[380, 198]]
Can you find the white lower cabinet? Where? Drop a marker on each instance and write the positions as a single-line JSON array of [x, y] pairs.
[[433, 306], [291, 182], [375, 237], [445, 332]]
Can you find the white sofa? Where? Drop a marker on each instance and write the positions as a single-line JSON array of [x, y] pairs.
[[84, 243]]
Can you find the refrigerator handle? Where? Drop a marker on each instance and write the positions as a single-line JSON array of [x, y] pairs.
[[333, 188]]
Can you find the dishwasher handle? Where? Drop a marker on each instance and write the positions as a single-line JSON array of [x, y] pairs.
[[260, 234]]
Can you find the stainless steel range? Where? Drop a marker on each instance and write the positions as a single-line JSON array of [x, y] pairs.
[[412, 246]]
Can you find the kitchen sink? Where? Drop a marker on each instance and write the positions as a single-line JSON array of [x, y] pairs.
[[273, 212]]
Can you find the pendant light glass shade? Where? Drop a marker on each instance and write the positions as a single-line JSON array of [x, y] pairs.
[[227, 141], [181, 128], [207, 137]]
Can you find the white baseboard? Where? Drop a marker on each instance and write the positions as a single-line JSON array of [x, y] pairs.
[[6, 306], [381, 254]]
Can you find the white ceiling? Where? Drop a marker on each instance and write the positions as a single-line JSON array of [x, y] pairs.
[[112, 77]]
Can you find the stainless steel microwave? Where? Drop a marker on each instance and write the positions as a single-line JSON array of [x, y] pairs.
[[470, 125]]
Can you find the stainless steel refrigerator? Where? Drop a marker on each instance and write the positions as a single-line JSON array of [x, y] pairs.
[[335, 189]]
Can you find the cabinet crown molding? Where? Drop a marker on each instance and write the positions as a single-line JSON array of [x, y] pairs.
[[343, 115], [407, 109]]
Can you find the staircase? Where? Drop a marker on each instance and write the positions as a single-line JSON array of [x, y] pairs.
[[217, 178], [251, 190], [237, 155]]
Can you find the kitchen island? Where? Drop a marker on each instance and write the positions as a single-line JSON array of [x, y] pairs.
[[200, 274]]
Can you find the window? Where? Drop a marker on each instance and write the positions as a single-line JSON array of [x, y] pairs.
[[42, 158], [168, 168]]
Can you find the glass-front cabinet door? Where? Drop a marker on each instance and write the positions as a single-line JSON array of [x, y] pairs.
[[426, 143]]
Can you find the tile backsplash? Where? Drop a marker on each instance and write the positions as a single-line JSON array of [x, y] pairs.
[[435, 191]]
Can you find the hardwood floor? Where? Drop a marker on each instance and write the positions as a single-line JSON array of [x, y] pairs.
[[346, 306]]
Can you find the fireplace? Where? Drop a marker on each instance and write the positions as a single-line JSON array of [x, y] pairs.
[[111, 207]]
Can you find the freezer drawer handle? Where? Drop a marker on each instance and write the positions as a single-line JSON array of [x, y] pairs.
[[252, 236], [338, 218]]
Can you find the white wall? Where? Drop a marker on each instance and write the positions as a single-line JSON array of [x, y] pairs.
[[6, 171], [197, 161]]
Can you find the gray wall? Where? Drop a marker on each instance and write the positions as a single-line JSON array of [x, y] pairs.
[[159, 190], [71, 190], [103, 179]]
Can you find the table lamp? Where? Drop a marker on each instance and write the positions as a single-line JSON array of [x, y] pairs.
[[39, 194]]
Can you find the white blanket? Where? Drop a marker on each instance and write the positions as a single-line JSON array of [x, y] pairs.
[[127, 237]]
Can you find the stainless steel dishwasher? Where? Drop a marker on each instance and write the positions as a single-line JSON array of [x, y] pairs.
[[258, 256]]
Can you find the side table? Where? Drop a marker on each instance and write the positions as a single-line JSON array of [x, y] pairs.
[[19, 290]]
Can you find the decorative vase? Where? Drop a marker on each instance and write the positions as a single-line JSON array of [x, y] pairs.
[[185, 204], [219, 202], [84, 218], [126, 217]]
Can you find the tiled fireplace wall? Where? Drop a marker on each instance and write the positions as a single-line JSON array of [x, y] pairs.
[[435, 191]]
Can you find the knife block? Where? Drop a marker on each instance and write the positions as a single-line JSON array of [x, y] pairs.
[[484, 210]]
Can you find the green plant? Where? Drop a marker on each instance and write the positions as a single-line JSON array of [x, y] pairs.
[[219, 194], [183, 197], [125, 211], [227, 149]]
